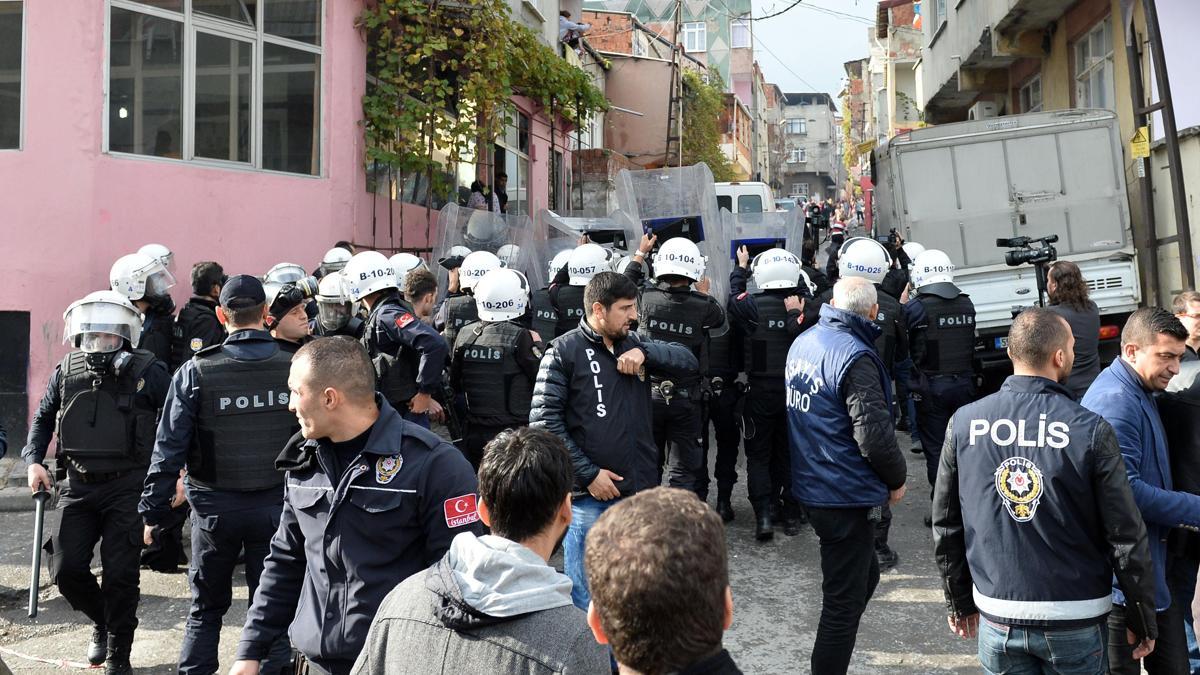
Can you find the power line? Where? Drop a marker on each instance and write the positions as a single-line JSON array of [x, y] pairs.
[[767, 49], [844, 15]]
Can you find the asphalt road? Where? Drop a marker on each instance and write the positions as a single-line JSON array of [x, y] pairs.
[[776, 589]]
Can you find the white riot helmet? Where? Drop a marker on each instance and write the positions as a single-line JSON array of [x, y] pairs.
[[812, 288], [932, 267], [912, 249], [502, 294], [140, 276], [366, 273], [100, 321], [163, 254], [284, 273], [402, 264], [775, 268], [335, 259], [864, 257], [509, 254], [333, 304], [679, 256], [622, 263], [457, 251], [557, 263], [474, 267], [587, 261]]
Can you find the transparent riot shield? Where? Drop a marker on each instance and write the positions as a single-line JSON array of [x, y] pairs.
[[462, 230], [760, 232], [563, 230]]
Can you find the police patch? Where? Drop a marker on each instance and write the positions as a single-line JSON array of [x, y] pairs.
[[404, 319], [1019, 483], [196, 344], [386, 468], [460, 511], [141, 383]]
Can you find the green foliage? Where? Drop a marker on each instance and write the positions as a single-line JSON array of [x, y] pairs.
[[702, 108], [850, 149]]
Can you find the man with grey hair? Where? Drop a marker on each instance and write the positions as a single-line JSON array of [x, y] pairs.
[[845, 461]]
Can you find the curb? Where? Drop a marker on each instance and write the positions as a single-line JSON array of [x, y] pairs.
[[15, 500]]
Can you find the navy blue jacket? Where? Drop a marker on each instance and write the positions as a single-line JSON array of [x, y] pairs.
[[174, 439], [345, 540], [844, 452], [1117, 395], [743, 311], [395, 327]]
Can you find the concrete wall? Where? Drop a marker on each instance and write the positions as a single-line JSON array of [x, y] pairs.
[[640, 85]]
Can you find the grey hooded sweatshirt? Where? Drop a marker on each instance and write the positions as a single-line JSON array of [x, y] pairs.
[[490, 605]]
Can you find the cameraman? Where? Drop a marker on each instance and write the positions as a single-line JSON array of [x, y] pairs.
[[896, 279]]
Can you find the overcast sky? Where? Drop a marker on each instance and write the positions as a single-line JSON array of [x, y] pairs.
[[804, 48]]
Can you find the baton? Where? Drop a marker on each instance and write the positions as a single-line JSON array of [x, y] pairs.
[[35, 570]]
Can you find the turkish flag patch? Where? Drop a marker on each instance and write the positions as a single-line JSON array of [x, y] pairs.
[[460, 511], [405, 319], [743, 295]]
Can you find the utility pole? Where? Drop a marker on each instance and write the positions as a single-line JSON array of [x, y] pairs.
[[674, 151]]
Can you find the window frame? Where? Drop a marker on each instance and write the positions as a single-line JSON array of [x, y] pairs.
[[502, 142], [1025, 94], [800, 189], [23, 91], [229, 29], [794, 156], [1105, 63], [743, 21], [689, 29]]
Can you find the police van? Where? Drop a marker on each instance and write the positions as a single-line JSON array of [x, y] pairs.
[[745, 197]]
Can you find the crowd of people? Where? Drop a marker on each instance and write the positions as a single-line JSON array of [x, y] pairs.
[[395, 451]]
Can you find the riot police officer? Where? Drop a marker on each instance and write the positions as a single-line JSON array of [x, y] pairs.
[[727, 393], [402, 264], [102, 401], [226, 420], [767, 321], [566, 293], [334, 260], [145, 280], [671, 311], [459, 308], [408, 354], [545, 317], [941, 321], [197, 326], [899, 277], [335, 313], [495, 361], [287, 318]]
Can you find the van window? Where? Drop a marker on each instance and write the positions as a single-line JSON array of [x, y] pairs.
[[725, 202], [749, 204]]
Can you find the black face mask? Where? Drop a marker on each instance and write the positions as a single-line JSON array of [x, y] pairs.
[[104, 364]]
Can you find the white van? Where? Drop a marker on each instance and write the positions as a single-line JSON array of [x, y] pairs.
[[745, 197]]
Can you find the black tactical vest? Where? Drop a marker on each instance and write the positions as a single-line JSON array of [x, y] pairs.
[[725, 355], [677, 317], [545, 319], [891, 314], [950, 337], [103, 425], [493, 382], [158, 335], [242, 421], [460, 311], [767, 348], [185, 328], [570, 304], [396, 374]]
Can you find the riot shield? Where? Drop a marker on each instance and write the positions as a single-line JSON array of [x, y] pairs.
[[759, 232], [680, 202], [562, 231], [462, 230]]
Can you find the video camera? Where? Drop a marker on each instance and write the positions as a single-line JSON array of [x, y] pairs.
[[891, 239], [1029, 251]]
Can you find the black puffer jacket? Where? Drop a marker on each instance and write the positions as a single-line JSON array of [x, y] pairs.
[[604, 417]]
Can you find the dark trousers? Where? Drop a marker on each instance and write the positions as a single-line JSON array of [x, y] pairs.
[[106, 512], [677, 435], [723, 414], [217, 539], [478, 436], [944, 395], [849, 575], [768, 459], [1170, 655]]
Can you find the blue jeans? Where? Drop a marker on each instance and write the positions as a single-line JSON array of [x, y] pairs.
[[584, 512], [1013, 650]]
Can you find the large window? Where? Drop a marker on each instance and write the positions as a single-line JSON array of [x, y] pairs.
[[695, 37], [796, 126], [800, 189], [797, 155], [233, 81], [512, 158], [739, 33], [1094, 68], [11, 43], [1031, 95]]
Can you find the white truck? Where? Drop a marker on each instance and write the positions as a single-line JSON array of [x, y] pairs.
[[961, 187]]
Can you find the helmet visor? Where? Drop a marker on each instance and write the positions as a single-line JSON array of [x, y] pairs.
[[98, 343], [159, 283], [101, 317], [286, 274], [333, 315]]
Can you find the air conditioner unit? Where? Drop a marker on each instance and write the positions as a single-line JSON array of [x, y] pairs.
[[983, 109]]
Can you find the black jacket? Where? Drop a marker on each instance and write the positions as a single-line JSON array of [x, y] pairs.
[[196, 327], [604, 417], [158, 329]]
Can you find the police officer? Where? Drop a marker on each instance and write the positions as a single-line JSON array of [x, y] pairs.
[[408, 354], [767, 321], [459, 308], [102, 401], [1040, 483], [725, 356], [146, 282], [334, 260], [671, 311], [566, 293], [402, 264], [226, 420], [197, 326], [371, 500], [495, 361], [545, 317], [287, 318], [335, 312], [901, 278], [941, 322]]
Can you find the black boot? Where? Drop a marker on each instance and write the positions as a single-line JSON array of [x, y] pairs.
[[887, 556], [98, 647], [118, 655], [763, 530], [725, 510], [791, 519]]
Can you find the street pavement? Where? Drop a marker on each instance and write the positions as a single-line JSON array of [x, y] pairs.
[[776, 591]]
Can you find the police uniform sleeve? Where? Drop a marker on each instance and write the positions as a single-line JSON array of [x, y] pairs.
[[741, 308], [171, 444], [157, 383], [916, 321], [447, 500], [949, 540], [529, 355], [634, 272], [274, 603], [902, 343], [432, 349], [715, 317], [548, 410], [561, 278], [1124, 530], [874, 430], [210, 331], [44, 420], [669, 358]]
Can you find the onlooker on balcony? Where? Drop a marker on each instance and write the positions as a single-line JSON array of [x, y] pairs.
[[569, 32]]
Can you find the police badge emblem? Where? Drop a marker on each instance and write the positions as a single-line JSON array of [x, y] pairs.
[[196, 344], [141, 384], [386, 468], [1019, 483]]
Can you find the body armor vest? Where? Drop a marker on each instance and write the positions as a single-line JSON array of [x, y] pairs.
[[495, 386], [676, 317], [950, 336], [104, 426], [570, 305], [767, 348], [545, 319], [395, 374], [460, 311], [891, 315]]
